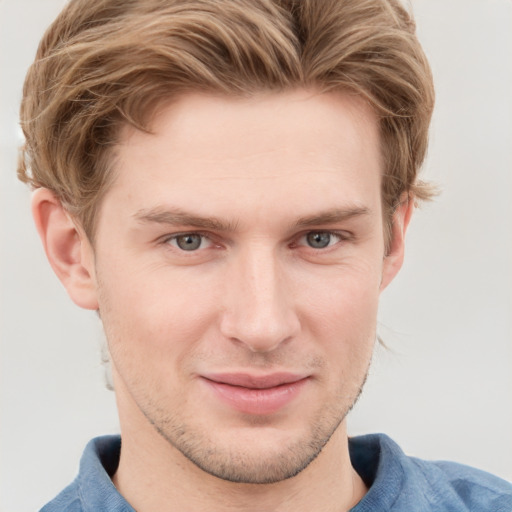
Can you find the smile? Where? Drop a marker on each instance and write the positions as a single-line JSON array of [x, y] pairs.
[[256, 395]]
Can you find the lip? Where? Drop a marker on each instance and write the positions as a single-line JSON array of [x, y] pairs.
[[256, 394]]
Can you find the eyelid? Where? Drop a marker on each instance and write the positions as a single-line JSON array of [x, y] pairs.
[[173, 236], [341, 235]]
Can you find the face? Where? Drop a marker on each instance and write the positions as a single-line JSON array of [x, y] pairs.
[[238, 263]]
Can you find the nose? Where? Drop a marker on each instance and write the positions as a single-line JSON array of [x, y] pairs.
[[259, 309]]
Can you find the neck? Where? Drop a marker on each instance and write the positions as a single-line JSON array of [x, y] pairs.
[[154, 476]]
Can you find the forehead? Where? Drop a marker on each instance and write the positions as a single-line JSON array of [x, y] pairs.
[[286, 149]]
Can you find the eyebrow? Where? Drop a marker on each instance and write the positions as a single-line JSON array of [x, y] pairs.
[[177, 216], [332, 216]]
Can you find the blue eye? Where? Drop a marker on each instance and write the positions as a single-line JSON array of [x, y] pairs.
[[321, 239], [189, 241]]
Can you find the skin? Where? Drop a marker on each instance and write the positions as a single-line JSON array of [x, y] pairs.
[[276, 173]]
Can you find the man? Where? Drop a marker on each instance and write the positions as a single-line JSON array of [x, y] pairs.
[[229, 184]]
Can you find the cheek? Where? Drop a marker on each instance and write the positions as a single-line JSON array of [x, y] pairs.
[[347, 293], [342, 314], [153, 313]]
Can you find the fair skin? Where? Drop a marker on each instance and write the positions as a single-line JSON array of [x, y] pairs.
[[237, 266]]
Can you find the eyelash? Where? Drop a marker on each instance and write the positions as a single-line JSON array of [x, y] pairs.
[[168, 239], [342, 236]]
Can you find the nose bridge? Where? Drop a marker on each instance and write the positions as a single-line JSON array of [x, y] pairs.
[[260, 311]]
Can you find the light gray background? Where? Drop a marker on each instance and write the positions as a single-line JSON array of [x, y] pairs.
[[445, 389]]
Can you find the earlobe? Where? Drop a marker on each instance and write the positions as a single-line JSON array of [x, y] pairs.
[[67, 248], [395, 254]]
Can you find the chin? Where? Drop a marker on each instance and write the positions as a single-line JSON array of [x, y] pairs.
[[256, 454]]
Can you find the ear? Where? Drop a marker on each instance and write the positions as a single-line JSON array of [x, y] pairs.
[[67, 248], [395, 255]]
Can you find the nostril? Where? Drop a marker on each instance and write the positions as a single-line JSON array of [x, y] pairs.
[[261, 345]]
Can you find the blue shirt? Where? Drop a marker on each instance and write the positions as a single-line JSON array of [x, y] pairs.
[[397, 483]]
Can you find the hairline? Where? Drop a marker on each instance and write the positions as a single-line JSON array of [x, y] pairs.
[[125, 128]]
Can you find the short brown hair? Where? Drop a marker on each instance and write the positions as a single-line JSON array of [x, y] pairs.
[[105, 63]]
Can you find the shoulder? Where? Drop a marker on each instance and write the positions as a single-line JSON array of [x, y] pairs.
[[67, 501], [476, 489], [398, 482], [93, 490]]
